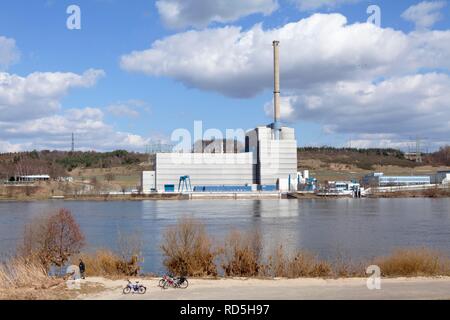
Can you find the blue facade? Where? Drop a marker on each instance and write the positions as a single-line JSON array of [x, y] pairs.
[[268, 188], [169, 188], [222, 189]]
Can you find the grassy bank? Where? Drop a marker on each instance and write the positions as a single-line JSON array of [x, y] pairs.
[[26, 278], [428, 193]]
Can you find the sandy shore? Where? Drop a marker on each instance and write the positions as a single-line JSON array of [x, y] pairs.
[[281, 289]]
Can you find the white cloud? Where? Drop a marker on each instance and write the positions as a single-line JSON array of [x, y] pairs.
[[39, 93], [311, 5], [31, 116], [9, 54], [318, 49], [391, 110], [200, 13], [130, 108], [365, 141], [54, 132], [424, 14], [351, 78], [6, 146], [287, 108]]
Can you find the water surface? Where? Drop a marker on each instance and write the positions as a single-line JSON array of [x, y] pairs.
[[360, 228]]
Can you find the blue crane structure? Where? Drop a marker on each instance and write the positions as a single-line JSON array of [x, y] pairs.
[[185, 183]]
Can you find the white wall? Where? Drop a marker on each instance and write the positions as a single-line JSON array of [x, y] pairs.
[[204, 169], [148, 181], [277, 158]]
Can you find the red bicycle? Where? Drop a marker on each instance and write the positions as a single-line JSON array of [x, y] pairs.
[[177, 282]]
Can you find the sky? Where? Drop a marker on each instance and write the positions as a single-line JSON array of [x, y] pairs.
[[132, 72]]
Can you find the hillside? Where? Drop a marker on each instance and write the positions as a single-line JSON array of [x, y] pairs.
[[327, 163], [61, 163]]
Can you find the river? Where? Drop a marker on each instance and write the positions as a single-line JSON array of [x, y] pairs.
[[357, 228]]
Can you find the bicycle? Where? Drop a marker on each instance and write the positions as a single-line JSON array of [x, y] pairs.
[[134, 288], [175, 282]]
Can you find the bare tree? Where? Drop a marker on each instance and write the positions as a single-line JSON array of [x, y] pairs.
[[53, 239]]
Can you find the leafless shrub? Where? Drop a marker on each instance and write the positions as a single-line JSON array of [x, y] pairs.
[[242, 254], [188, 249], [130, 250], [129, 244]]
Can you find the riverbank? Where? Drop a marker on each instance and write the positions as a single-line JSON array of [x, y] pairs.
[[432, 193], [98, 288], [277, 289], [427, 193]]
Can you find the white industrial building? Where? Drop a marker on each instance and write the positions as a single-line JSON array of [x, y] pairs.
[[204, 169], [274, 159], [270, 159]]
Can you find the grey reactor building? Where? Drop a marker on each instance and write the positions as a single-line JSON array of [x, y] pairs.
[[268, 163]]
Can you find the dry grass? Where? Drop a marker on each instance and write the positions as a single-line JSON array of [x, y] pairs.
[[298, 265], [104, 263], [26, 279], [345, 267], [413, 263], [188, 249], [241, 255], [21, 273]]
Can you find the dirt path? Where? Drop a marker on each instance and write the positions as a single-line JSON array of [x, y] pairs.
[[298, 289]]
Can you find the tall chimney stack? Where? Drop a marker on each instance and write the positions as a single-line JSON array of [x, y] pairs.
[[276, 91]]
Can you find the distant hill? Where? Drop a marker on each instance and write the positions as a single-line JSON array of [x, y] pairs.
[[367, 159], [60, 163]]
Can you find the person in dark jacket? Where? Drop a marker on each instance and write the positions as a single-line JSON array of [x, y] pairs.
[[82, 267]]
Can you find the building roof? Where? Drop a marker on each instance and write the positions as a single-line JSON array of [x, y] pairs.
[[42, 176]]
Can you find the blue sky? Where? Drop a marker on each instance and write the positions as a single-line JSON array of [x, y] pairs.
[[128, 101]]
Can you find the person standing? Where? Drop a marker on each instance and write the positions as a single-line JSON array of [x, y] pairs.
[[82, 267]]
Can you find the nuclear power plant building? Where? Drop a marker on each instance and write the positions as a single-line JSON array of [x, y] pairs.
[[269, 161]]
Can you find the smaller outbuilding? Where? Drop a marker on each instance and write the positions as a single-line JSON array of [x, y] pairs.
[[31, 178], [380, 180]]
